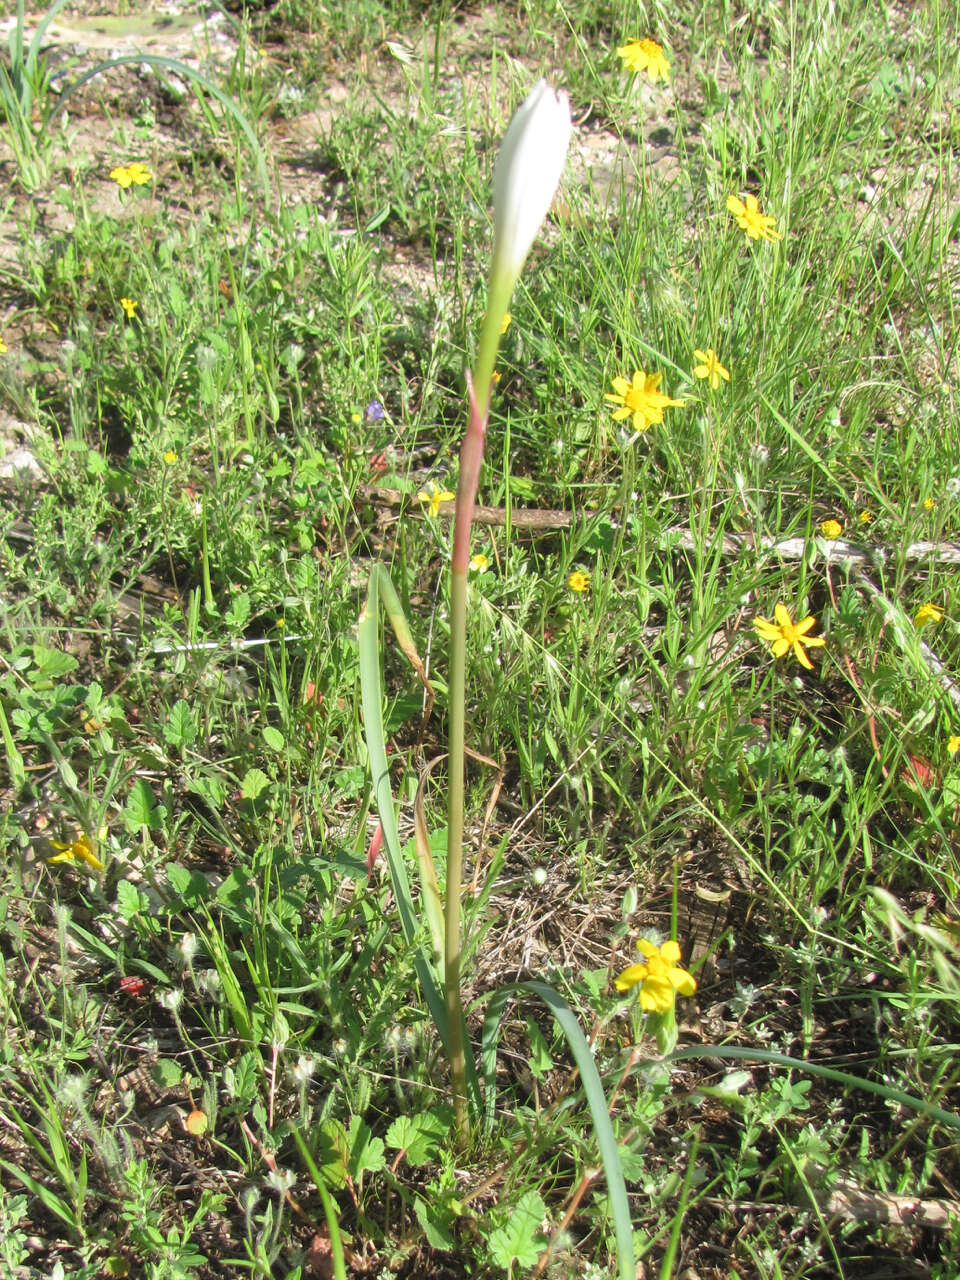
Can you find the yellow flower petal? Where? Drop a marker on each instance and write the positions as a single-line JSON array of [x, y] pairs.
[[631, 977]]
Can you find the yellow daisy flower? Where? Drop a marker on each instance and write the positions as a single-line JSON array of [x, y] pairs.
[[645, 55], [79, 850], [659, 977], [710, 367], [640, 399], [953, 744], [757, 225], [831, 529], [785, 634], [578, 581], [434, 496], [129, 305], [928, 612]]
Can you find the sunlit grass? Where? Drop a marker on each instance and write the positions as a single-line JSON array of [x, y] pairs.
[[194, 378]]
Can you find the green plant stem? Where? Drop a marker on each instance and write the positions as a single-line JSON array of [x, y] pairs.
[[498, 300], [456, 675], [471, 460], [329, 1208]]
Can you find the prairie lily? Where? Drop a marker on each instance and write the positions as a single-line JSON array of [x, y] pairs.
[[525, 181]]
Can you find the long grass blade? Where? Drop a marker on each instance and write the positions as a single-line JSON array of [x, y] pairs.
[[197, 78], [372, 697], [596, 1101], [329, 1208], [740, 1053]]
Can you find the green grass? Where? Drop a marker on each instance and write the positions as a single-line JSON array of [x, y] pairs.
[[179, 671]]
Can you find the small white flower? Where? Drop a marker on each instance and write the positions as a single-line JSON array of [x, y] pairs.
[[952, 487], [281, 1180], [170, 1000], [303, 1071], [187, 949], [208, 983], [527, 172], [73, 1090]]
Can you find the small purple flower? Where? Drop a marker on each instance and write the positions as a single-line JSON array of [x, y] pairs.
[[374, 411]]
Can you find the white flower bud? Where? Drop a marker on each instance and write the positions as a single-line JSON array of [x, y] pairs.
[[526, 175]]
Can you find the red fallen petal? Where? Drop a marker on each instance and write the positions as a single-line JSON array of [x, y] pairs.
[[134, 986], [374, 849], [918, 770]]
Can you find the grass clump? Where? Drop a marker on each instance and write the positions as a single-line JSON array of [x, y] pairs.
[[215, 1059]]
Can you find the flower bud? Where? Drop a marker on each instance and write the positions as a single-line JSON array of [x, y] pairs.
[[526, 176]]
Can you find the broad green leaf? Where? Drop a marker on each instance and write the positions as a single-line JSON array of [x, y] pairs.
[[435, 1221], [187, 884], [366, 1151], [166, 1073], [181, 728], [51, 663], [141, 808], [273, 738], [333, 1153], [521, 1239], [255, 782], [131, 900], [420, 1136]]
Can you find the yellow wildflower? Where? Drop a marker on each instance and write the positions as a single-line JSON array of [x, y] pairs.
[[928, 612], [479, 562], [170, 457], [757, 225], [953, 744], [79, 850], [641, 399], [645, 55], [129, 305], [129, 175], [659, 977], [710, 367], [505, 322], [831, 529], [3, 347], [867, 517], [434, 497], [578, 580], [785, 634], [928, 504]]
